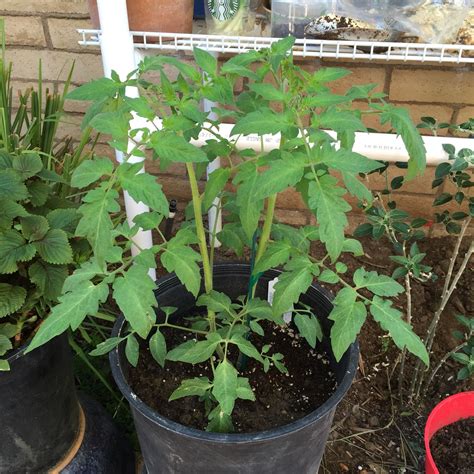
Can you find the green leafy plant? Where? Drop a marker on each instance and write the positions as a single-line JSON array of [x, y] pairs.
[[279, 98], [30, 121], [404, 232], [36, 246]]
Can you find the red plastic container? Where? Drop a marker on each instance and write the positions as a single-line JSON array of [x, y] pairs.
[[452, 409]]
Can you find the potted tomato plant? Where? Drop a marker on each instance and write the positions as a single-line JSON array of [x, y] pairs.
[[233, 366]]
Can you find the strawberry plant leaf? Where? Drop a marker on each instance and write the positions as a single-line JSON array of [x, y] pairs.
[[11, 299], [14, 248], [27, 165], [48, 278], [54, 247]]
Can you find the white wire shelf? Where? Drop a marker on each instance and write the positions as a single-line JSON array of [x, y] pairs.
[[306, 48]]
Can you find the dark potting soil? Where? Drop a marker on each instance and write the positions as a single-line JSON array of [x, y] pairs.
[[452, 447], [280, 398]]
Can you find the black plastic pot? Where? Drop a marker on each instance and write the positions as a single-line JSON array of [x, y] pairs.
[[42, 424], [171, 448]]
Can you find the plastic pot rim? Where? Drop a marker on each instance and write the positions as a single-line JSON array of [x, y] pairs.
[[241, 438], [450, 410]]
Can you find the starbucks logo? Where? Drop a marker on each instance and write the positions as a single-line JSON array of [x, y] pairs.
[[223, 9]]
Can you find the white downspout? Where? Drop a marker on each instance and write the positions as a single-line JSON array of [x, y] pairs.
[[118, 55]]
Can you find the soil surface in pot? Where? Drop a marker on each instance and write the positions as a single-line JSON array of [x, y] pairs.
[[280, 397], [452, 447]]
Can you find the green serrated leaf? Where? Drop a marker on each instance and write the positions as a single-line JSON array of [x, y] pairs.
[[54, 247], [9, 210], [95, 90], [5, 345], [381, 285], [328, 276], [217, 302], [328, 74], [206, 61], [194, 352], [246, 347], [27, 164], [143, 187], [244, 391], [182, 260], [401, 121], [353, 246], [115, 124], [106, 346], [349, 316], [390, 319], [198, 386], [148, 220], [249, 207], [281, 174], [48, 278], [65, 219], [132, 350], [34, 227], [134, 294], [174, 148], [11, 186], [356, 188], [349, 161], [225, 386], [340, 121], [39, 193], [96, 224], [158, 347], [261, 122], [327, 203], [90, 171], [11, 299], [70, 312], [268, 91], [215, 184], [14, 248], [289, 287], [220, 422], [309, 327], [276, 253]]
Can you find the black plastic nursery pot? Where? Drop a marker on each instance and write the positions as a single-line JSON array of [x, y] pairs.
[[171, 448], [44, 427]]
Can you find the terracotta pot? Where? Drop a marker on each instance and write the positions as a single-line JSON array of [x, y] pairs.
[[451, 409], [167, 16]]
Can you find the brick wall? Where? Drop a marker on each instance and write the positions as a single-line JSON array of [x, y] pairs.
[[45, 30]]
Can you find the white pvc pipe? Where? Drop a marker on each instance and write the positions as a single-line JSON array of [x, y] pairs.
[[376, 146], [215, 212], [118, 54]]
